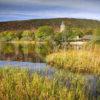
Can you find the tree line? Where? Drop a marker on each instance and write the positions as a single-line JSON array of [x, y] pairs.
[[47, 33]]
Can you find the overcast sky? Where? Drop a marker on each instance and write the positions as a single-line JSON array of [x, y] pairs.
[[32, 9]]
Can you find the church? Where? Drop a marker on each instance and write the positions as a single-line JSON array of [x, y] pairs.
[[62, 26]]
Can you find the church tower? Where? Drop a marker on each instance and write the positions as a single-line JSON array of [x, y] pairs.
[[62, 27]]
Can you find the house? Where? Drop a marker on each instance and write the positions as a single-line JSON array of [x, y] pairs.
[[87, 38]]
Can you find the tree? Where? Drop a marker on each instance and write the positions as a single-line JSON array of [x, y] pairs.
[[68, 34], [7, 36], [58, 38], [27, 36], [44, 33], [78, 31]]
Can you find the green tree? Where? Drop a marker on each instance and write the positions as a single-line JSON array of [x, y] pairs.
[[7, 36], [58, 38], [78, 31], [68, 34], [19, 34], [44, 33], [27, 36]]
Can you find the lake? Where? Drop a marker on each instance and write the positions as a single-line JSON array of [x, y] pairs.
[[30, 56]]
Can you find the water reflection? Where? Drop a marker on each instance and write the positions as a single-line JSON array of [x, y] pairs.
[[29, 52], [24, 52]]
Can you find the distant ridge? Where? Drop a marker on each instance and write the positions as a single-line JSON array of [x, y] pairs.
[[33, 24]]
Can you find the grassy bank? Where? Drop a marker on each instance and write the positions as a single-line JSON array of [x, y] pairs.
[[19, 84], [85, 61]]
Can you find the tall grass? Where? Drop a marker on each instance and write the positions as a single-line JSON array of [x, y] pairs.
[[85, 61], [19, 84]]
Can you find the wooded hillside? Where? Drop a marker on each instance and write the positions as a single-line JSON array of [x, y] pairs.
[[55, 23]]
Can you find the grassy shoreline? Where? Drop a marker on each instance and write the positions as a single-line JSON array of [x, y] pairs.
[[81, 61], [23, 42], [19, 84]]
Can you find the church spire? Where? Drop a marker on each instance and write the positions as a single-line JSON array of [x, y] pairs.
[[62, 26]]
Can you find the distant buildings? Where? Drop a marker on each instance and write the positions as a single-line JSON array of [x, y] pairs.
[[87, 37], [77, 41], [77, 38]]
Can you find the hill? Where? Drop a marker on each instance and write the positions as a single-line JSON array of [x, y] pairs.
[[55, 23]]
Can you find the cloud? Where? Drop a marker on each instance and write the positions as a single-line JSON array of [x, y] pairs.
[[28, 9], [80, 4]]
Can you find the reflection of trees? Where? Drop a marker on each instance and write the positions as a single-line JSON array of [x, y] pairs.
[[16, 46], [28, 52], [42, 50], [0, 49], [8, 48], [25, 49], [7, 51], [24, 52]]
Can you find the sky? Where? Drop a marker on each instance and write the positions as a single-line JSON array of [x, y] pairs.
[[38, 9]]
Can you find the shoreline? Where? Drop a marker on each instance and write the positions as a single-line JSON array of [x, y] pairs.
[[20, 42]]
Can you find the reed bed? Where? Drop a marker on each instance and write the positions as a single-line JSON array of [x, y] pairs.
[[20, 84], [84, 61]]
